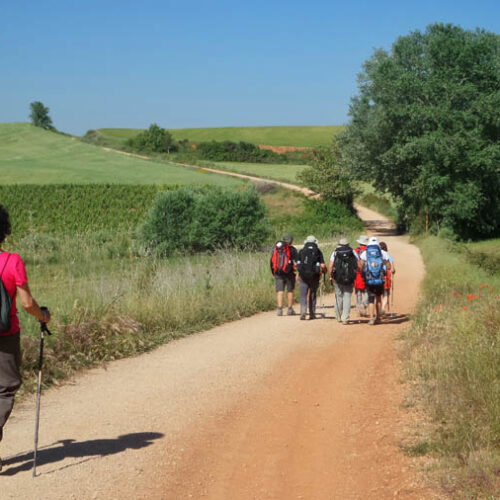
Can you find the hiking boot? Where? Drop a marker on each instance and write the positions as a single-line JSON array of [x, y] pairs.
[[290, 312], [371, 322], [345, 322], [302, 316], [280, 311], [312, 316]]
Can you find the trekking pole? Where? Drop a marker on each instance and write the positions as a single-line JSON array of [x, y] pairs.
[[392, 295], [322, 290], [43, 330]]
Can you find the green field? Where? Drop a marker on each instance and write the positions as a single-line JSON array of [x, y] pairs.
[[313, 136], [30, 155], [280, 172]]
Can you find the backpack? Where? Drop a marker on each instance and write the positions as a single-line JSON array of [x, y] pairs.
[[344, 266], [374, 270], [5, 304], [308, 264], [281, 260]]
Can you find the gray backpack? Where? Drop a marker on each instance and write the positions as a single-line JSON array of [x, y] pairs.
[[5, 304]]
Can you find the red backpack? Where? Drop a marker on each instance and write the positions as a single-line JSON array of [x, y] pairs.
[[281, 260]]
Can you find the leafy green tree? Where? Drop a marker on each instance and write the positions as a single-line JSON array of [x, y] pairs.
[[153, 140], [327, 176], [425, 127], [40, 116]]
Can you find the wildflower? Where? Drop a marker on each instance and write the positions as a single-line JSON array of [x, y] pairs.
[[455, 294], [464, 308], [484, 286], [471, 297]]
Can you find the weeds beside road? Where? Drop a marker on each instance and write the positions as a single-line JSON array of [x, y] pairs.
[[453, 353]]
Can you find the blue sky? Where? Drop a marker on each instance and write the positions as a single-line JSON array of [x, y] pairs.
[[202, 64]]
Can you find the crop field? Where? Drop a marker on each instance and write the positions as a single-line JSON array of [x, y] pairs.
[[312, 136], [30, 155], [280, 172]]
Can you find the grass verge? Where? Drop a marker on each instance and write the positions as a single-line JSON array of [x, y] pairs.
[[453, 355]]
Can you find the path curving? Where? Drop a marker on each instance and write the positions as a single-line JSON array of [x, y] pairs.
[[262, 408]]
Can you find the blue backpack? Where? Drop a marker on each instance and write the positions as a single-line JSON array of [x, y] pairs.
[[374, 271]]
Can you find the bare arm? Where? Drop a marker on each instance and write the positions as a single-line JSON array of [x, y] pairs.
[[30, 304], [330, 269]]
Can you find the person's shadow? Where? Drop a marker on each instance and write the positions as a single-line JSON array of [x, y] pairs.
[[85, 449]]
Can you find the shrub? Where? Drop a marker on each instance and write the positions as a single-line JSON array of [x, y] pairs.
[[153, 140], [200, 219], [237, 151]]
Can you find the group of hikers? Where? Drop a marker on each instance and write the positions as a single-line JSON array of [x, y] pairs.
[[367, 270]]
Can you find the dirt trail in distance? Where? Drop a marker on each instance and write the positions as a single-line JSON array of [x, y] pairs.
[[263, 408]]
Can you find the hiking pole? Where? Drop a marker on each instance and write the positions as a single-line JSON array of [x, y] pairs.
[[392, 295], [43, 330], [323, 290]]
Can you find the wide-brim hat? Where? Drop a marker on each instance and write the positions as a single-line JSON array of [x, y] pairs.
[[311, 239], [363, 239], [373, 241], [343, 242]]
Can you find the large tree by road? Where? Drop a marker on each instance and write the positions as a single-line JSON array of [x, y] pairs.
[[425, 127]]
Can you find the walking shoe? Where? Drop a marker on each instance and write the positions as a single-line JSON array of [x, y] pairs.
[[371, 322], [312, 316], [345, 322], [290, 312], [302, 316], [280, 311]]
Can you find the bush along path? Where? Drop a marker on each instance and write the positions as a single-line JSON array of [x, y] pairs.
[[264, 407]]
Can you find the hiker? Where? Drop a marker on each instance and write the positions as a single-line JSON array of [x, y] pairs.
[[386, 306], [283, 267], [359, 282], [15, 283], [310, 265], [373, 262], [342, 269]]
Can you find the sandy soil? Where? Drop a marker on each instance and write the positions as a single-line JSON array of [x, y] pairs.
[[263, 408]]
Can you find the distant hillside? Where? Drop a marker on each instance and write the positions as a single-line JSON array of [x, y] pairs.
[[275, 136], [31, 155]]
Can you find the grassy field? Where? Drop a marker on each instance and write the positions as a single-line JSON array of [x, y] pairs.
[[452, 358], [312, 136], [280, 172], [30, 155]]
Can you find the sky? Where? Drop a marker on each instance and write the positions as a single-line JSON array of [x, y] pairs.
[[127, 64]]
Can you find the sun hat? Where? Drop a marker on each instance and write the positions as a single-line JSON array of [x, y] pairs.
[[343, 242], [288, 238], [311, 239], [363, 240], [373, 241]]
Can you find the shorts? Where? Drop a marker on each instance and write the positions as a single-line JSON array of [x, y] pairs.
[[286, 280], [374, 291]]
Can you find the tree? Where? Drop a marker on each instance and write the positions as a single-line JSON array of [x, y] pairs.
[[425, 127], [327, 177], [153, 140], [40, 116]]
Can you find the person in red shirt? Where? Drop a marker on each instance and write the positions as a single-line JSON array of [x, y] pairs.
[[359, 282], [15, 281]]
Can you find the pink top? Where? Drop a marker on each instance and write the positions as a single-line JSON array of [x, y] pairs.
[[13, 274]]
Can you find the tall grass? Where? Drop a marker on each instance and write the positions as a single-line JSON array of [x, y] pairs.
[[453, 352], [107, 307]]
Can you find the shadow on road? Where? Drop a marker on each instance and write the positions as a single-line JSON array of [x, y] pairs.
[[69, 448]]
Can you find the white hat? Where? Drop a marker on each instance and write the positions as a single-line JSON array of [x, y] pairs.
[[363, 240], [311, 239], [373, 241], [343, 242]]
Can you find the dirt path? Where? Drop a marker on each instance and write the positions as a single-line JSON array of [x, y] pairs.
[[262, 408]]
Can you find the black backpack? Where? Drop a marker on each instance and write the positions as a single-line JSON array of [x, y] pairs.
[[345, 265], [309, 263], [5, 304]]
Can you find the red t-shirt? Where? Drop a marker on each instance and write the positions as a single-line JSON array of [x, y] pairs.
[[13, 274]]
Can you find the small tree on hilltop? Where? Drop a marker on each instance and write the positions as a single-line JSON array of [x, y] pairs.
[[153, 140], [40, 116]]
